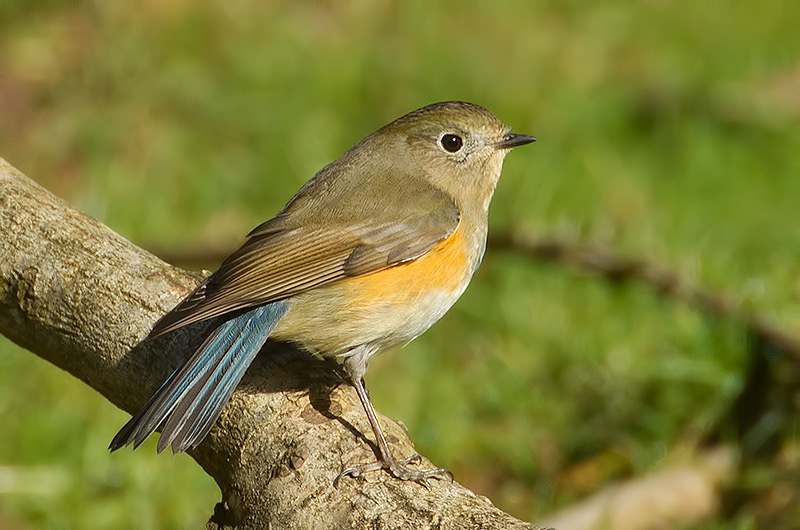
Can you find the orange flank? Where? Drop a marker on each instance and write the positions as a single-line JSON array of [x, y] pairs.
[[445, 267], [384, 308]]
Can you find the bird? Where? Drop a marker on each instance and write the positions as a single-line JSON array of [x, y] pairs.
[[368, 255]]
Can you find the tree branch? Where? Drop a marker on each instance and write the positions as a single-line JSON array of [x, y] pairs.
[[79, 295], [615, 268]]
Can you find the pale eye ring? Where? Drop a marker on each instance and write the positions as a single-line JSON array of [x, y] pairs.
[[451, 143]]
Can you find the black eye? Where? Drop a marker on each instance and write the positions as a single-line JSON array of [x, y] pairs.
[[451, 142]]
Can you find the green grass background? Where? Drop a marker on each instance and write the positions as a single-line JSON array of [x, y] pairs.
[[668, 131]]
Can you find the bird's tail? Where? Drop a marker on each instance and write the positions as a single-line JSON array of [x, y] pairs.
[[193, 397]]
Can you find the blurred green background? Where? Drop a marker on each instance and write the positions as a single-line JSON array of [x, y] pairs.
[[668, 131]]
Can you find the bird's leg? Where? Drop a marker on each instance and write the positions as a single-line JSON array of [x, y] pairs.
[[397, 468]]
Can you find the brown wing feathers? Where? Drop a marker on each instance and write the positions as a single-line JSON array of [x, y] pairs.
[[256, 274], [273, 265]]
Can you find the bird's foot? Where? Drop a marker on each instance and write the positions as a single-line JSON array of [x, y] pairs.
[[399, 470]]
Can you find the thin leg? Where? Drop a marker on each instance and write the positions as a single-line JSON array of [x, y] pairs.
[[397, 468]]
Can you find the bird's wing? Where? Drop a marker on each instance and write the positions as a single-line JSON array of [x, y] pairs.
[[279, 260]]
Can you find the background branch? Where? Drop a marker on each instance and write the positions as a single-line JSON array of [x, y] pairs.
[[82, 297], [617, 269], [591, 260]]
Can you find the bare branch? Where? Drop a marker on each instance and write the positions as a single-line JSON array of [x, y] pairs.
[[664, 282]]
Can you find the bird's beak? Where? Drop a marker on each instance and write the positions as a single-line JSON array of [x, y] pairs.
[[514, 140]]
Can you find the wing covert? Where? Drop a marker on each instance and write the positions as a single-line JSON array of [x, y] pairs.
[[278, 261]]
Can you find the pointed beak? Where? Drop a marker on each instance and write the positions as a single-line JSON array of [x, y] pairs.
[[514, 140]]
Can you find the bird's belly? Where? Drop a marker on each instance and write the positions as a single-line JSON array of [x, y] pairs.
[[384, 308]]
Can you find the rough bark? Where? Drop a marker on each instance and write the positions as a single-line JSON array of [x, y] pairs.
[[82, 297]]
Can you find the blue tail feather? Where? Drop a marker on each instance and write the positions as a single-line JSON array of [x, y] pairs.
[[193, 397], [193, 416], [207, 414]]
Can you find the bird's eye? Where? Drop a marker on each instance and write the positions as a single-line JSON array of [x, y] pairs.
[[451, 142]]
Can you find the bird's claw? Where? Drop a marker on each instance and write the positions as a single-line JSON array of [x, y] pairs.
[[398, 469]]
